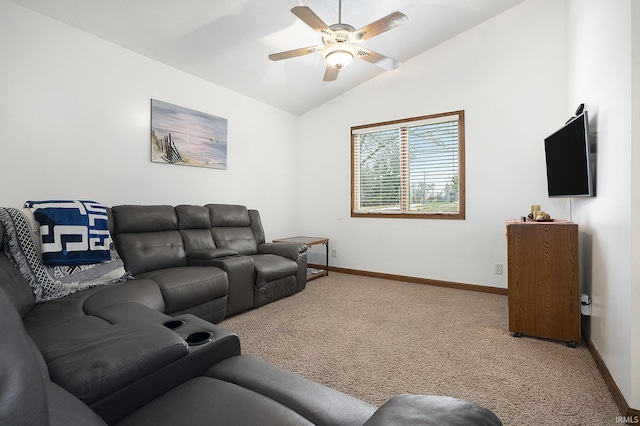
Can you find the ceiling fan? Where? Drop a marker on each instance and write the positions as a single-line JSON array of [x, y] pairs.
[[339, 41]]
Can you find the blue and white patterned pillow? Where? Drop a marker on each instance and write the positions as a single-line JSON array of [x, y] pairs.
[[72, 232]]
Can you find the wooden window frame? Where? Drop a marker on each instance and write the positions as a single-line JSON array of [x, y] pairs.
[[405, 212]]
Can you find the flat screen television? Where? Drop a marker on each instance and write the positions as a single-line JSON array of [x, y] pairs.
[[568, 158]]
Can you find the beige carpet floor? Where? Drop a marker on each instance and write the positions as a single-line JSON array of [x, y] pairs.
[[375, 338]]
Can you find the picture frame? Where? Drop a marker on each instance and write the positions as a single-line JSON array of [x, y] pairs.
[[187, 137]]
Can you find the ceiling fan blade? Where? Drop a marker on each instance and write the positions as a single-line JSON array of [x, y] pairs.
[[331, 73], [385, 62], [293, 53], [307, 16], [387, 23]]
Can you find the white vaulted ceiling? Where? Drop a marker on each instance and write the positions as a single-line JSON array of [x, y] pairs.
[[228, 42]]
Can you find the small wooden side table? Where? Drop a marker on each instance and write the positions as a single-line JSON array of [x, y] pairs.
[[311, 241]]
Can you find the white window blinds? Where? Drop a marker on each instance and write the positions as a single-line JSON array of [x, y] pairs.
[[409, 167]]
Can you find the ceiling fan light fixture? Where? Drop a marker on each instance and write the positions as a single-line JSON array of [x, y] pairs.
[[339, 55]]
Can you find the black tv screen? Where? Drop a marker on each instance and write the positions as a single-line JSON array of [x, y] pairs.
[[568, 158]]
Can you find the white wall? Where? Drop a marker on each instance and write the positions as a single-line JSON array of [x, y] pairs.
[[75, 120], [600, 74], [508, 74]]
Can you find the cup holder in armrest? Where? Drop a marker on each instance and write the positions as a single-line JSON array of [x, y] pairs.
[[174, 324], [198, 338]]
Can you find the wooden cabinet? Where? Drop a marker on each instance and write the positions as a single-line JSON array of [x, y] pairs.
[[543, 273]]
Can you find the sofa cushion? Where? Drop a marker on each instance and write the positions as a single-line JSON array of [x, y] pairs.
[[270, 267], [84, 311], [67, 410], [55, 312], [46, 337], [197, 239], [27, 396], [22, 391], [228, 215], [193, 217], [256, 226], [147, 237], [126, 311], [138, 218], [188, 286], [149, 251], [96, 364], [318, 404], [143, 292], [194, 223], [15, 286], [207, 401], [231, 228], [239, 239]]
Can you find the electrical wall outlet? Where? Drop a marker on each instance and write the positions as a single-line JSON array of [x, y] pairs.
[[334, 253], [585, 305], [498, 268]]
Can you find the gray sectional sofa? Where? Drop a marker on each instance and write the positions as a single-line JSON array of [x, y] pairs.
[[147, 351]]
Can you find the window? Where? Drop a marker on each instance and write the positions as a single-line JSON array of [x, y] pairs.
[[411, 168]]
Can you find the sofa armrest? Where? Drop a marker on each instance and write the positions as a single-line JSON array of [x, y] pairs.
[[222, 344], [240, 271], [431, 410], [94, 365], [128, 311], [288, 250], [197, 257]]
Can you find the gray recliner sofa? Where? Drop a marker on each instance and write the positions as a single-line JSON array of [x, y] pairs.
[[211, 261]]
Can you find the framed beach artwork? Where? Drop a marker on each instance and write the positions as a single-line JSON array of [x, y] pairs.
[[183, 136]]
